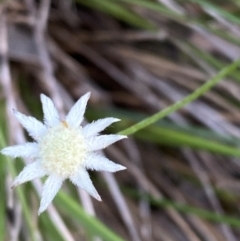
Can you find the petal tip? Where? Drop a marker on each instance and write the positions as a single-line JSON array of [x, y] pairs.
[[17, 114], [40, 211], [42, 208], [116, 119], [14, 111], [123, 137], [99, 198], [16, 182], [5, 151], [122, 168], [119, 168], [42, 96], [87, 95], [14, 185]]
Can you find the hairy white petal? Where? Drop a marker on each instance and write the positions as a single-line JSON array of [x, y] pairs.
[[51, 117], [34, 127], [95, 127], [98, 162], [75, 115], [82, 180], [30, 172], [100, 142], [50, 189], [27, 150]]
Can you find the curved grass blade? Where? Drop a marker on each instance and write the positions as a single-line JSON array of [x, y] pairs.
[[187, 209], [119, 12], [176, 106], [178, 139], [90, 223]]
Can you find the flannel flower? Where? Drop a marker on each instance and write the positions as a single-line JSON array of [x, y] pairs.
[[63, 149]]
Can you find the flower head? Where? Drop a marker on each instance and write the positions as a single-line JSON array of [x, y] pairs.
[[63, 149]]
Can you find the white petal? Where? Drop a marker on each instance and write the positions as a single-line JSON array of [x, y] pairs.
[[27, 150], [51, 117], [34, 127], [50, 189], [30, 172], [100, 142], [98, 162], [95, 127], [82, 180], [75, 115]]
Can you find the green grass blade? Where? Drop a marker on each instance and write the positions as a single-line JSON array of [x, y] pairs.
[[227, 15], [19, 190], [2, 199], [119, 12], [155, 6], [90, 223], [50, 231], [187, 209], [2, 178], [180, 139], [3, 194], [168, 134], [176, 106]]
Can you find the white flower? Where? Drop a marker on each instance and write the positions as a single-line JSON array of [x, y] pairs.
[[63, 149]]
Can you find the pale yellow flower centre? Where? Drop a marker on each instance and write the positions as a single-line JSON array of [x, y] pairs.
[[62, 150]]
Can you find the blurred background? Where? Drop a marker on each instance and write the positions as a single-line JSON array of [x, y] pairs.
[[136, 57]]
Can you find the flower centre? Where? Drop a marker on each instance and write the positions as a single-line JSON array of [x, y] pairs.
[[62, 150]]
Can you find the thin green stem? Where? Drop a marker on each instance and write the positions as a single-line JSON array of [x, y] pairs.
[[90, 223], [176, 106]]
